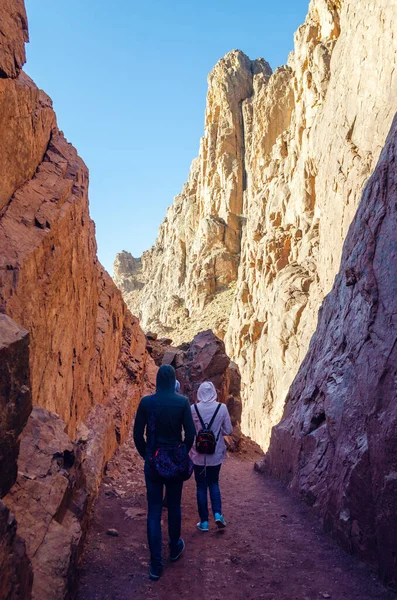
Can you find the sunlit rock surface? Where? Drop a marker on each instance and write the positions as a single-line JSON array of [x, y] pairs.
[[253, 242]]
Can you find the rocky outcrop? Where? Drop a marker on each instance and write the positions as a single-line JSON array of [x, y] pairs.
[[127, 272], [337, 442], [253, 243], [87, 357], [53, 285], [203, 359], [50, 503]]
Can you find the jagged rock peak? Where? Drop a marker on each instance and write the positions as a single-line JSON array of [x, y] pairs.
[[85, 364], [230, 83], [127, 270], [233, 74]]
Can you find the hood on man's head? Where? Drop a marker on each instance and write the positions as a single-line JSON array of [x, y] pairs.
[[207, 392], [165, 380]]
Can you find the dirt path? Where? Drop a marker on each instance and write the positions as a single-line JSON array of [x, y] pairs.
[[272, 549]]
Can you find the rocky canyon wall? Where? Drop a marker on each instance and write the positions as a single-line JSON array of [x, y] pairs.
[[87, 354], [253, 242], [337, 442], [51, 282]]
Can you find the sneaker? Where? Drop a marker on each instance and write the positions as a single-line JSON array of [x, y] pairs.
[[202, 525], [155, 573], [177, 551], [220, 521]]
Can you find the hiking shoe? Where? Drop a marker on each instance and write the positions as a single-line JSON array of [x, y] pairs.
[[177, 551], [202, 525], [155, 573], [220, 521]]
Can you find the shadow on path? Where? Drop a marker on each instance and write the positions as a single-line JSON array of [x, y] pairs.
[[272, 549]]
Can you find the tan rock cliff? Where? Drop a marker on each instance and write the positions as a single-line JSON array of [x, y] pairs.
[[269, 200]]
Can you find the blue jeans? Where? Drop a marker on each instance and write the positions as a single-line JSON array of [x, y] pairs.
[[154, 492], [207, 478]]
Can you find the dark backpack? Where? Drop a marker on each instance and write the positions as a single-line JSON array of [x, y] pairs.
[[170, 463], [205, 439]]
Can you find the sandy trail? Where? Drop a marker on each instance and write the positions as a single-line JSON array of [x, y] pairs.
[[272, 549]]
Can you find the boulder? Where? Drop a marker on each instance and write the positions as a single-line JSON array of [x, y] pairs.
[[204, 359]]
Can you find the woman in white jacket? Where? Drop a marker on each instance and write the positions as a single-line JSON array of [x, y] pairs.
[[208, 466]]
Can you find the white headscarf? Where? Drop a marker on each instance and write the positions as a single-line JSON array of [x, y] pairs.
[[207, 392]]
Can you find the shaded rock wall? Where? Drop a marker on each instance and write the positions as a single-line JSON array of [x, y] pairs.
[[15, 398], [252, 244], [15, 406], [337, 442]]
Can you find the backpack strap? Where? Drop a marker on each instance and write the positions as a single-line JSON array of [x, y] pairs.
[[214, 415], [151, 425], [199, 416]]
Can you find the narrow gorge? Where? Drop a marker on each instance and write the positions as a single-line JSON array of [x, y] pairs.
[[252, 244], [273, 275]]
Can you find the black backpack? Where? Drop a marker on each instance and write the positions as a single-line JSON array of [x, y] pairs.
[[205, 439]]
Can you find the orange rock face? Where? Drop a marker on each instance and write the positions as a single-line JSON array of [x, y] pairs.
[[87, 356], [52, 283]]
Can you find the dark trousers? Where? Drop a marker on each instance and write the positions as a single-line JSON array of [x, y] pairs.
[[154, 492], [207, 478]]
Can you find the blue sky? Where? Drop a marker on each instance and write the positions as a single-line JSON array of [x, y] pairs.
[[129, 82]]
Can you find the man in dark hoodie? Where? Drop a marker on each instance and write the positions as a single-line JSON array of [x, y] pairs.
[[173, 414]]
